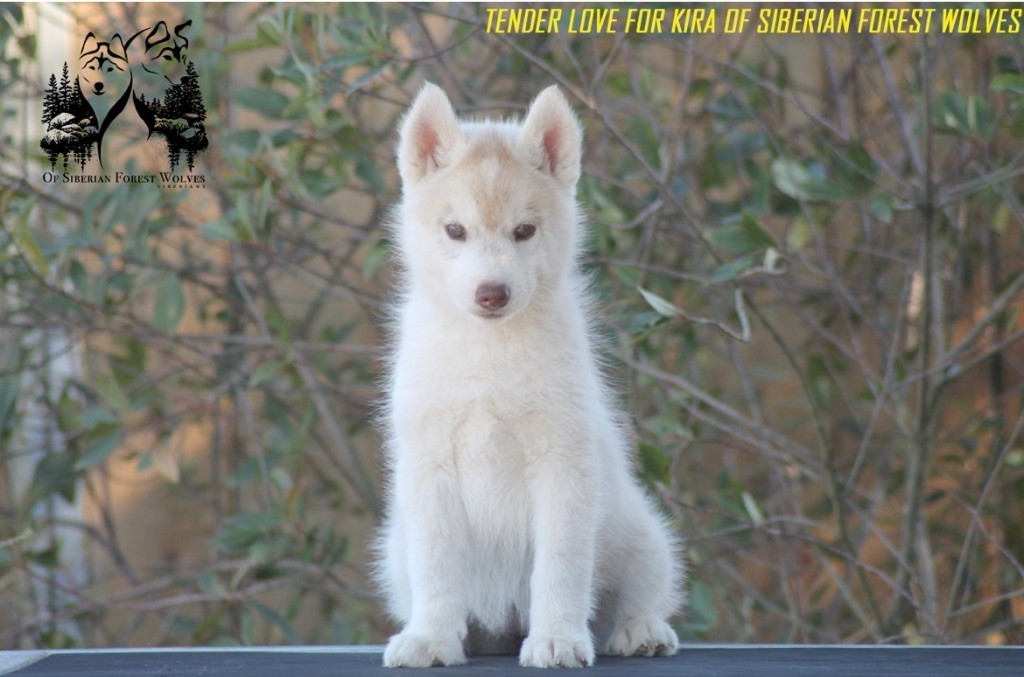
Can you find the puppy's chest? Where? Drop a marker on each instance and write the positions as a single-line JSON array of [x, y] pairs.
[[486, 438], [492, 456]]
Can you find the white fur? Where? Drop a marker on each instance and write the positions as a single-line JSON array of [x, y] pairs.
[[512, 497]]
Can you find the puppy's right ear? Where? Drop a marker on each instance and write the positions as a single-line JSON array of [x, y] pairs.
[[429, 135]]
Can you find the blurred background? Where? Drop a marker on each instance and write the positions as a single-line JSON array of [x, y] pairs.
[[809, 254]]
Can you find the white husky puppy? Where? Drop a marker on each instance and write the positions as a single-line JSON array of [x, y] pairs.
[[513, 506]]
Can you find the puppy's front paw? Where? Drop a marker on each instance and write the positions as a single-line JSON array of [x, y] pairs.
[[638, 637], [410, 650], [547, 651]]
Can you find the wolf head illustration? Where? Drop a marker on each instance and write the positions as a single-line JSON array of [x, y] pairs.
[[105, 79], [103, 72], [160, 59]]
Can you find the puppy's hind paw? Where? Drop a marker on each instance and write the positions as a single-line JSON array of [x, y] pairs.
[[409, 650], [557, 652], [638, 637]]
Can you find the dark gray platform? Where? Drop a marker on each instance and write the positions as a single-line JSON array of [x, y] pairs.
[[703, 660]]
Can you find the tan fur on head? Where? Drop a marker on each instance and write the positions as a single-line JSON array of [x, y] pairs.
[[489, 177], [550, 139]]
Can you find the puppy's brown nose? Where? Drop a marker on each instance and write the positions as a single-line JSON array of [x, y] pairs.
[[492, 296]]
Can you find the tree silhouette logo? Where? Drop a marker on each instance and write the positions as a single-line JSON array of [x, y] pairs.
[[151, 70]]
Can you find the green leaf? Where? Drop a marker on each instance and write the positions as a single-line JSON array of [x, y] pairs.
[[702, 615], [853, 168], [46, 557], [244, 529], [54, 474], [979, 117], [269, 30], [282, 480], [29, 246], [283, 137], [246, 139], [102, 443], [646, 139], [949, 113], [10, 387], [733, 269], [112, 392], [264, 373], [96, 416], [245, 45], [170, 305], [266, 102], [741, 238], [881, 207], [376, 257], [789, 177], [342, 62], [667, 425], [79, 278], [1016, 125], [804, 182], [219, 230], [752, 508], [367, 76], [366, 169], [819, 378], [92, 203], [799, 233], [278, 620], [279, 324], [654, 463], [1008, 82], [660, 305], [319, 183]]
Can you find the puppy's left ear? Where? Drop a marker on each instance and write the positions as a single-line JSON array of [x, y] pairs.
[[552, 138]]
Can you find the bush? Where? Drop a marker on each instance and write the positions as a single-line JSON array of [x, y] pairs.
[[809, 253]]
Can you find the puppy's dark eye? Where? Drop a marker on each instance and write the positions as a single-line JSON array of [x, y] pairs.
[[524, 231], [456, 231]]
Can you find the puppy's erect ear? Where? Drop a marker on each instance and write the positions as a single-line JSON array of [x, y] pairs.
[[429, 135], [552, 138]]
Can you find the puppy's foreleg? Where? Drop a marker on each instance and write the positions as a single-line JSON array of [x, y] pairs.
[[561, 586], [434, 522]]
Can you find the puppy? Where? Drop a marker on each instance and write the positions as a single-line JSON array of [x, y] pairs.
[[513, 506]]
